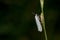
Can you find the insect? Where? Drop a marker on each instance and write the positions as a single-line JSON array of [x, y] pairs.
[[39, 26]]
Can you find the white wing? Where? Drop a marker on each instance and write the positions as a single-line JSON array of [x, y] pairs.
[[38, 23]]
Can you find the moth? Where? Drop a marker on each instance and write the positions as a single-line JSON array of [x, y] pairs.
[[38, 23]]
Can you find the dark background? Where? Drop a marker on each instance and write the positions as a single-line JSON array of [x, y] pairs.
[[17, 20]]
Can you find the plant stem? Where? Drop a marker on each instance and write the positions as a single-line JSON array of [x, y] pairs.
[[42, 18]]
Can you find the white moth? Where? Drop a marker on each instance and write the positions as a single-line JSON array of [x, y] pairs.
[[39, 26]]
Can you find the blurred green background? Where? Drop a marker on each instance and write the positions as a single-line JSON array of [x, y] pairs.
[[17, 20]]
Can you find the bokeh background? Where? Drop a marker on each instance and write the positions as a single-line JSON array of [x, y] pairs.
[[17, 19]]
